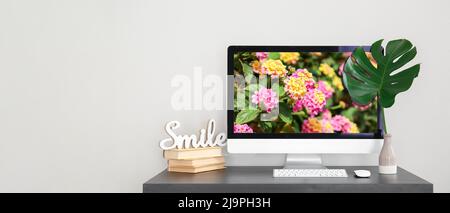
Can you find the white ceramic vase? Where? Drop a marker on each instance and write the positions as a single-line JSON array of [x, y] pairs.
[[387, 162]]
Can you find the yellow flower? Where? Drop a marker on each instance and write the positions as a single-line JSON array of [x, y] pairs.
[[319, 96], [289, 57], [337, 82], [353, 128], [256, 65], [292, 69], [298, 84], [327, 127], [342, 104], [327, 70], [296, 87], [274, 68], [313, 125], [304, 74]]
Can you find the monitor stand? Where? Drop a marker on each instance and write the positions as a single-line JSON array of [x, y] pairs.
[[303, 161]]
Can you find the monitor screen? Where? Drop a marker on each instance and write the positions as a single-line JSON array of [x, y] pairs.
[[301, 93]]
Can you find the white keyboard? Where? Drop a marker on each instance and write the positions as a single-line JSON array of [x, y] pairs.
[[309, 173]]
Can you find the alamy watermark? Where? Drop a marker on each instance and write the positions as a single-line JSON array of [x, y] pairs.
[[208, 92]]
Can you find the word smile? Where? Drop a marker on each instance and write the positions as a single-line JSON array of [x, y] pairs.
[[205, 138]]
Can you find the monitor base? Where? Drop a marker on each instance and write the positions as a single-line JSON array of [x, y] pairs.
[[303, 161]]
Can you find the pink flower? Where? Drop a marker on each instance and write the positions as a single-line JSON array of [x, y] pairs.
[[314, 102], [341, 69], [298, 105], [242, 128], [325, 88], [262, 55], [326, 114], [265, 98], [305, 75], [311, 125], [327, 127], [329, 124], [314, 125], [347, 54], [339, 122], [256, 65], [343, 124]]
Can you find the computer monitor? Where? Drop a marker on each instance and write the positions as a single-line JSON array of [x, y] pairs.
[[292, 100]]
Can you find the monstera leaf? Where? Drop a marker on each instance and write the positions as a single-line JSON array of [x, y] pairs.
[[365, 81]]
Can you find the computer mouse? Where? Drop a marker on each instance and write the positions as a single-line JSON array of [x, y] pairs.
[[362, 173]]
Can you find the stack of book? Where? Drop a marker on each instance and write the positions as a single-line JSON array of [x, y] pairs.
[[195, 160]]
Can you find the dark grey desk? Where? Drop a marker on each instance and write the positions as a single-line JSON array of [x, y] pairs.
[[260, 180]]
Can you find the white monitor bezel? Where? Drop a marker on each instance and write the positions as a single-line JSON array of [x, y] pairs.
[[296, 143]]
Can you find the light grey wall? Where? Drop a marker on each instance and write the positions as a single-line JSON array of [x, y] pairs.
[[85, 85]]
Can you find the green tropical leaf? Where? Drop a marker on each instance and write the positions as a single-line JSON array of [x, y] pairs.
[[348, 113], [247, 69], [364, 81], [274, 55], [301, 114], [246, 115], [285, 113], [296, 126], [329, 103], [266, 126], [287, 128], [248, 73]]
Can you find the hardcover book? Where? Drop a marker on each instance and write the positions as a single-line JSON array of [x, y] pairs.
[[194, 153]]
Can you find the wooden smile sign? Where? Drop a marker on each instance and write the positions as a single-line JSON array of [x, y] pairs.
[[205, 139]]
